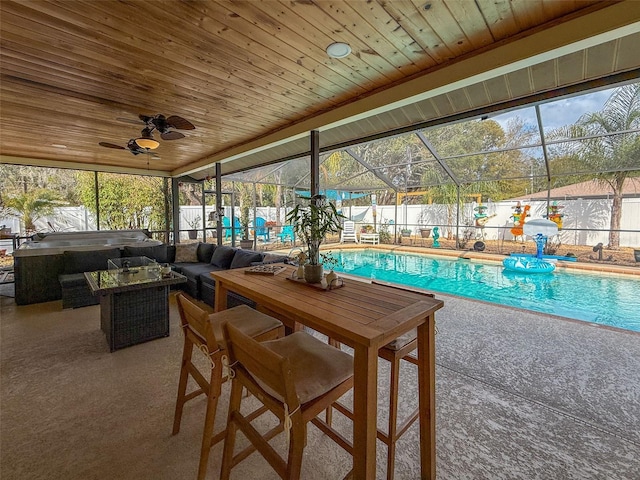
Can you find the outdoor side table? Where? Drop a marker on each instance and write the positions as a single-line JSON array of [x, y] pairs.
[[134, 305], [372, 238]]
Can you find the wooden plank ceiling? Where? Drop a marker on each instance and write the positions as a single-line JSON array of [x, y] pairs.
[[254, 78]]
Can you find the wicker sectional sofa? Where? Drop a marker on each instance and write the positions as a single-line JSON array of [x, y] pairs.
[[195, 263], [209, 258], [51, 266]]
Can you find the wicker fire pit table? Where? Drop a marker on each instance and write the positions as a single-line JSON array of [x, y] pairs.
[[134, 304]]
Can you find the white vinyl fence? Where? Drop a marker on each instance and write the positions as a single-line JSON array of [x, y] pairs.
[[585, 222]]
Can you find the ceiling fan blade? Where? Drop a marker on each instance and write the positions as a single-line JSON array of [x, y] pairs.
[[145, 118], [173, 135], [128, 120], [111, 145], [180, 123]]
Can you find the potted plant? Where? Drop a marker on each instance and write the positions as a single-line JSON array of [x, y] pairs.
[[311, 222], [194, 224], [425, 232], [405, 232]]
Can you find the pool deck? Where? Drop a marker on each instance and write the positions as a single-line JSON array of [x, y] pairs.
[[520, 396], [491, 257]]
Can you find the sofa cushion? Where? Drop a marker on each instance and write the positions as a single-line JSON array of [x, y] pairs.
[[73, 280], [194, 270], [186, 253], [223, 256], [88, 260], [157, 252], [244, 258], [205, 252], [270, 258], [207, 279]]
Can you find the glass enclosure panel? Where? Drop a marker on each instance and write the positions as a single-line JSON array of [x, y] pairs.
[[130, 201], [509, 164], [467, 138], [559, 116], [603, 154], [192, 220], [520, 127], [35, 199]]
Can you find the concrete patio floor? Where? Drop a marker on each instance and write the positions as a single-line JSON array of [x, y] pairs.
[[520, 395]]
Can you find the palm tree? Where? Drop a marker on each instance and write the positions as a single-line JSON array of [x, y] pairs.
[[613, 157], [32, 205]]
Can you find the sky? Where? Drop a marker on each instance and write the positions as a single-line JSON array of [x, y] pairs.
[[559, 112]]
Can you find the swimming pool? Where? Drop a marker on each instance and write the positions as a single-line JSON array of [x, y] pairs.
[[606, 299]]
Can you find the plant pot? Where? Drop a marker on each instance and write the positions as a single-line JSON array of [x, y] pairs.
[[193, 234], [246, 244], [636, 254], [425, 232], [313, 273], [405, 233]]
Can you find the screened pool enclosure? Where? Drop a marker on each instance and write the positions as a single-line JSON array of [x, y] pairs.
[[575, 160]]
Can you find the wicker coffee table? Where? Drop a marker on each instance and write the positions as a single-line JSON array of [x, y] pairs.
[[134, 305]]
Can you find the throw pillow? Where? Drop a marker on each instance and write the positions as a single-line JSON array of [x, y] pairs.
[[223, 256], [186, 253], [244, 258], [273, 258], [205, 251]]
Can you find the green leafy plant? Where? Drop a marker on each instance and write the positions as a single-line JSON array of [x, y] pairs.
[[32, 205], [329, 261], [383, 232], [312, 221]]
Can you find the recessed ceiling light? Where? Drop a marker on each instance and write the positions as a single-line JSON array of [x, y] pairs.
[[58, 145], [338, 50]]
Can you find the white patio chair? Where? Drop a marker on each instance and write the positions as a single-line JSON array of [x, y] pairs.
[[349, 232]]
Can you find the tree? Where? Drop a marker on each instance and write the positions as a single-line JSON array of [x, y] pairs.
[[32, 205], [126, 201], [245, 191], [614, 158]]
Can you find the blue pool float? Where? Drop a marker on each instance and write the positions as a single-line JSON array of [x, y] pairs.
[[528, 265]]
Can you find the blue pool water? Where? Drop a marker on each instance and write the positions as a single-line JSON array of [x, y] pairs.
[[612, 300]]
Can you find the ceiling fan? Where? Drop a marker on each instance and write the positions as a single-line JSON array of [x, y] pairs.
[[164, 125], [159, 123], [132, 146]]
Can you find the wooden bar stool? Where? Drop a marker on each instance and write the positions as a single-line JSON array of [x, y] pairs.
[[296, 378], [203, 330], [400, 349]]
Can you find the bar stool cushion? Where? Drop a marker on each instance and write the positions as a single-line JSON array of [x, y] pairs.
[[317, 367], [402, 340], [251, 322]]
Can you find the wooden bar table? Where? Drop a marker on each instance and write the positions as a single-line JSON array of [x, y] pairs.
[[366, 317]]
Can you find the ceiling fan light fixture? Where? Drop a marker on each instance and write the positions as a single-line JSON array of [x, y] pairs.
[[147, 141], [338, 50]]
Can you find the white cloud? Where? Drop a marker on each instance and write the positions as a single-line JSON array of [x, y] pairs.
[[558, 113]]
